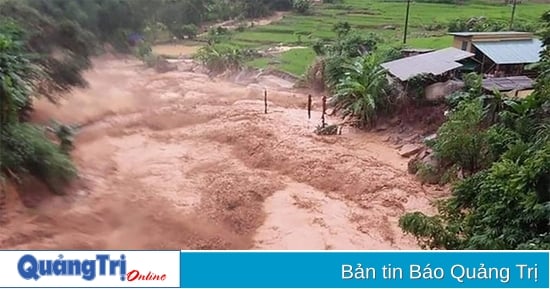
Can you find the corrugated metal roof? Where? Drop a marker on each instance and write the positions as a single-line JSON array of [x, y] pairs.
[[508, 83], [511, 52], [507, 33], [436, 63], [417, 50]]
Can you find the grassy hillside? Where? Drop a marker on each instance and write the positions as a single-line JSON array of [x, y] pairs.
[[427, 25]]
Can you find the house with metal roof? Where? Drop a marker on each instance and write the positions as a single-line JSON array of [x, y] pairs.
[[500, 53], [437, 63], [515, 86]]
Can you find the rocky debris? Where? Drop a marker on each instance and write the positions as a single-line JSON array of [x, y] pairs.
[[328, 130], [382, 127], [274, 81], [163, 66], [396, 140], [201, 69], [187, 65], [409, 150], [437, 91], [395, 121], [411, 138], [82, 193], [412, 166], [425, 159], [430, 138]]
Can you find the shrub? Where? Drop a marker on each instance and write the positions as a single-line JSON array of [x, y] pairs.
[[153, 31], [151, 60], [462, 141], [218, 58], [220, 30], [318, 47], [144, 49], [427, 173], [484, 24], [186, 31], [435, 27], [26, 149], [417, 84], [473, 84], [390, 53], [217, 35], [119, 41], [341, 28], [281, 5], [334, 69], [241, 28], [315, 75], [500, 138], [301, 6], [497, 209], [355, 44]]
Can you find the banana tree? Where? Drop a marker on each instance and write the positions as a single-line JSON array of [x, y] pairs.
[[363, 92]]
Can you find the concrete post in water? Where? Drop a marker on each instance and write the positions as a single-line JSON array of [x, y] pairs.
[[309, 106], [324, 109], [265, 100]]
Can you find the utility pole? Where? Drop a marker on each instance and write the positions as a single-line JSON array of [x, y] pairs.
[[513, 12], [406, 22]]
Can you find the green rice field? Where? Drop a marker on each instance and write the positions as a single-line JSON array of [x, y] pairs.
[[427, 26]]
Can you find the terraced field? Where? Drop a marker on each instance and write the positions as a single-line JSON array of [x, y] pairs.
[[427, 26]]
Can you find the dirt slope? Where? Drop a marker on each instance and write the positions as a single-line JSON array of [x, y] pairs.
[[179, 160]]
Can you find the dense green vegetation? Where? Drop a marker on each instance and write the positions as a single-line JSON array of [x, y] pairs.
[[26, 148], [430, 21], [364, 91], [349, 68], [503, 148]]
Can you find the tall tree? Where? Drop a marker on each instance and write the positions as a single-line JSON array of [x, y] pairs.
[[24, 148], [60, 48]]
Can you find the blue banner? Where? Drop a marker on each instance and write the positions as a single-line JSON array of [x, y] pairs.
[[420, 269], [275, 269]]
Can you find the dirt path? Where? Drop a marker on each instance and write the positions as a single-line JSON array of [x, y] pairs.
[[234, 24], [178, 160], [176, 50]]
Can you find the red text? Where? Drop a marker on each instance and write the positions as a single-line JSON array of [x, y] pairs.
[[134, 275]]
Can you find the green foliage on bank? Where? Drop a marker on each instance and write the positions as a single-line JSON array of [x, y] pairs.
[[502, 146]]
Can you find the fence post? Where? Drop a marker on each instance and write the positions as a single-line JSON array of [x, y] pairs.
[[324, 109], [309, 106], [265, 101]]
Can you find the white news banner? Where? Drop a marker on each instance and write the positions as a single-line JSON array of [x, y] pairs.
[[106, 269]]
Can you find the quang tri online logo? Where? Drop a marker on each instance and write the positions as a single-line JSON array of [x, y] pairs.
[[31, 268]]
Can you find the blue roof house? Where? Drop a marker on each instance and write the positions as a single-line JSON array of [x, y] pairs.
[[500, 54]]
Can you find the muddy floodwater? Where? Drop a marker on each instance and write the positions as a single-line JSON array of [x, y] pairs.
[[182, 161]]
